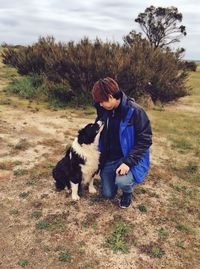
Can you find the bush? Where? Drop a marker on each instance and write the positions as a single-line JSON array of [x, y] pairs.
[[154, 71], [190, 66], [29, 87], [10, 56], [72, 68], [61, 92]]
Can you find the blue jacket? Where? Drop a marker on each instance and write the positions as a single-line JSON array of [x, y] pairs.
[[135, 137]]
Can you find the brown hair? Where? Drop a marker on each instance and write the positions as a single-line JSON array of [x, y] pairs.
[[103, 88]]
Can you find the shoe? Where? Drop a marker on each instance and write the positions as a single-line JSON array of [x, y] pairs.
[[125, 200]]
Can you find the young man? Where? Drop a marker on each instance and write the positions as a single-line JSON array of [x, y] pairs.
[[124, 141]]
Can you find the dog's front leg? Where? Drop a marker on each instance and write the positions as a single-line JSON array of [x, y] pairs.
[[75, 195], [91, 186]]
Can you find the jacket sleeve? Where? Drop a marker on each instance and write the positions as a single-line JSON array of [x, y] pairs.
[[143, 137]]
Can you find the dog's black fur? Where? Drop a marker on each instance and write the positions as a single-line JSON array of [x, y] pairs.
[[67, 170], [70, 168]]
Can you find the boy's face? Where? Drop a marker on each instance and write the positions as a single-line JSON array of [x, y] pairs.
[[110, 104]]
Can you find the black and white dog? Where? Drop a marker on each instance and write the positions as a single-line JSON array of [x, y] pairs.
[[80, 162]]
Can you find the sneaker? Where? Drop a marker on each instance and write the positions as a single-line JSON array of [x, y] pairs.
[[125, 200]]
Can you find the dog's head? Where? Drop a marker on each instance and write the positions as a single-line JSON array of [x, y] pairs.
[[88, 134]]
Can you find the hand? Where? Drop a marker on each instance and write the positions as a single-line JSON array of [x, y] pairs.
[[122, 169]]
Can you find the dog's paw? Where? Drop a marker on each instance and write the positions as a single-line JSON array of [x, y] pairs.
[[75, 197], [92, 190], [68, 191]]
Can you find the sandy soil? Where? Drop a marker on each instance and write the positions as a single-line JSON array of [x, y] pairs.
[[38, 225]]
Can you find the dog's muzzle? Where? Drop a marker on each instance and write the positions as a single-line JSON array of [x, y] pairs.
[[100, 123]]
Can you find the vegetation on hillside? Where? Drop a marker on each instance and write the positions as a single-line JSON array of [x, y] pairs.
[[69, 70]]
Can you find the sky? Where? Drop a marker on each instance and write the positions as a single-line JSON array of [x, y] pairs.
[[23, 21]]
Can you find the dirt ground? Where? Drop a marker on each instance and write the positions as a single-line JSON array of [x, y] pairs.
[[40, 228]]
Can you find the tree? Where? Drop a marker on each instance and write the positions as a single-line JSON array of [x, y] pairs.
[[160, 25]]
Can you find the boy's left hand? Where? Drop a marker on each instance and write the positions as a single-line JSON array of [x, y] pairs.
[[122, 169]]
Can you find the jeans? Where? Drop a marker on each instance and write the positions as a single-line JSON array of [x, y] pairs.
[[110, 182]]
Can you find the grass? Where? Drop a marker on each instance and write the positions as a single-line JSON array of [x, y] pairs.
[[31, 182], [23, 144], [65, 256], [24, 194], [188, 171], [140, 190], [90, 220], [117, 240], [7, 165], [180, 244], [14, 212], [163, 233], [28, 87], [42, 225], [20, 172], [191, 167], [51, 222], [156, 252], [153, 250], [36, 214], [182, 145], [82, 247], [23, 263], [185, 228], [142, 208]]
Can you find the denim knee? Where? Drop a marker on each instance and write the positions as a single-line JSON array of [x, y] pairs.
[[125, 182]]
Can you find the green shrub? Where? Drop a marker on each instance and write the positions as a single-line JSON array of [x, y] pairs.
[[72, 68], [10, 56], [190, 66], [29, 87]]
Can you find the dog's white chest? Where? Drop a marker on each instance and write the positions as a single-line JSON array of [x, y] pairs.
[[90, 154], [90, 166]]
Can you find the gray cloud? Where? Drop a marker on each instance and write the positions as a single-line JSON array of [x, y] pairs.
[[22, 21]]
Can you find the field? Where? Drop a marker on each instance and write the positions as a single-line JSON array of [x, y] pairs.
[[40, 228]]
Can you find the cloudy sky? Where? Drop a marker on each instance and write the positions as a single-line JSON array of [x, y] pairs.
[[23, 21]]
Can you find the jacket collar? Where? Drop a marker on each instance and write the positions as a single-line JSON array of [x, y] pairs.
[[124, 106]]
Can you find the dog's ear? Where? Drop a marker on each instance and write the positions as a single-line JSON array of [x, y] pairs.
[[81, 136], [80, 131]]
